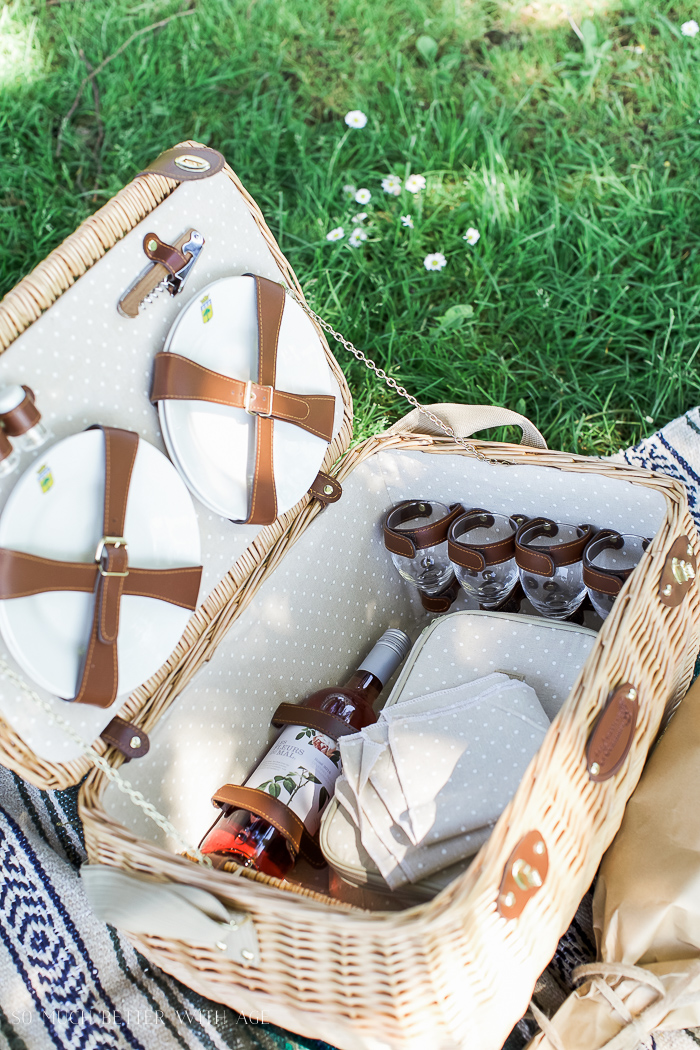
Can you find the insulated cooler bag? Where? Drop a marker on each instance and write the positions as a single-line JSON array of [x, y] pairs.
[[287, 607]]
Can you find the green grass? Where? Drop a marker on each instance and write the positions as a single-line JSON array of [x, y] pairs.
[[577, 160]]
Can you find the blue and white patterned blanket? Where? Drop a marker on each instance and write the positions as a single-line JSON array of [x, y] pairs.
[[68, 981]]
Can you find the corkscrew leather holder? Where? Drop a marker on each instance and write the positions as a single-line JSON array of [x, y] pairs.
[[275, 813]]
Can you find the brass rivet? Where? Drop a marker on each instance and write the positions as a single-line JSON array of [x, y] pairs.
[[152, 245], [222, 946], [188, 162], [509, 900], [632, 694], [538, 848], [247, 954], [668, 589], [682, 570], [690, 552], [422, 507], [328, 489], [594, 769], [526, 877], [135, 742]]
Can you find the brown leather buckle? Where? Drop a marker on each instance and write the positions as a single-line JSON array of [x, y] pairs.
[[257, 399], [102, 556]]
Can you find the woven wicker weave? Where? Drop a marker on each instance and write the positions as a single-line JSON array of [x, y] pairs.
[[450, 973]]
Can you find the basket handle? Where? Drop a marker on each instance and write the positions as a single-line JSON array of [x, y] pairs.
[[466, 420]]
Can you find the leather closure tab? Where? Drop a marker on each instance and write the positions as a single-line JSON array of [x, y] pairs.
[[406, 542], [613, 733], [22, 417], [523, 876], [166, 254], [478, 557], [440, 603], [678, 574], [276, 813], [128, 739], [325, 489], [293, 715], [544, 561], [186, 163]]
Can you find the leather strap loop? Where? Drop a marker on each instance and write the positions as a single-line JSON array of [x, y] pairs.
[[22, 417], [325, 488], [478, 556], [167, 255], [607, 581], [177, 378], [440, 603], [544, 561], [294, 715], [276, 813], [406, 542], [129, 739]]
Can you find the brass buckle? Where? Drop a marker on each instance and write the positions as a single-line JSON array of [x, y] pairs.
[[112, 541], [247, 397]]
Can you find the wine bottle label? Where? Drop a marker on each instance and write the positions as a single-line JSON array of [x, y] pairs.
[[300, 769]]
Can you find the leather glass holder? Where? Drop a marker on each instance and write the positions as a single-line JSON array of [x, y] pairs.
[[479, 556], [179, 378], [607, 581], [406, 542], [544, 561], [108, 577]]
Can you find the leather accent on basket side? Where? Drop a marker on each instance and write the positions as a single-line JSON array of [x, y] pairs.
[[679, 573], [275, 813], [165, 163], [612, 735], [523, 876], [321, 483], [295, 715], [127, 738]]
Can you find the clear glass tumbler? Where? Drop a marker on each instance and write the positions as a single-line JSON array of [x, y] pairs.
[[608, 561], [549, 556], [415, 534], [481, 546]]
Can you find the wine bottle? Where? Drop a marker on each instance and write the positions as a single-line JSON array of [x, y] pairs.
[[301, 767]]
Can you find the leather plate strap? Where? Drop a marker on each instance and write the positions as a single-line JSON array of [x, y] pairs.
[[478, 556], [543, 561], [177, 378], [275, 813], [607, 581], [406, 542], [22, 417], [293, 715]]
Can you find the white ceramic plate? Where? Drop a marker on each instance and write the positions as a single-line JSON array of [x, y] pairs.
[[213, 445], [47, 633]]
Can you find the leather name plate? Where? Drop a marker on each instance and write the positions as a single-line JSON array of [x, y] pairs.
[[613, 733]]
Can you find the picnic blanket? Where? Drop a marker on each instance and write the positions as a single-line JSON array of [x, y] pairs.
[[69, 981]]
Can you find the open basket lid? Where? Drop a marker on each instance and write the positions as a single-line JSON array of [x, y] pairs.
[[89, 361]]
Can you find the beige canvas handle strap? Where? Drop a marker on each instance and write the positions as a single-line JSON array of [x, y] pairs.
[[466, 420]]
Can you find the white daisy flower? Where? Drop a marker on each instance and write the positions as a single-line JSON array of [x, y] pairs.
[[471, 236], [436, 261], [414, 183], [392, 185], [336, 235], [406, 220], [355, 118], [363, 196], [690, 28], [649, 419], [357, 236], [359, 218]]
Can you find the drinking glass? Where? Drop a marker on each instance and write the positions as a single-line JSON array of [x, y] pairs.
[[415, 534], [549, 556], [608, 561], [481, 546]]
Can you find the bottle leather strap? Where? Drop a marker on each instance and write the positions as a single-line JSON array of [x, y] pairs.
[[478, 556], [607, 581], [177, 378], [276, 813], [406, 542], [324, 722], [108, 578], [22, 417], [544, 561]]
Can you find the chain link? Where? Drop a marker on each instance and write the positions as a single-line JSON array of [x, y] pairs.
[[389, 380], [135, 796]]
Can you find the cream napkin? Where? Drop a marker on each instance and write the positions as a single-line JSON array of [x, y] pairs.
[[426, 783]]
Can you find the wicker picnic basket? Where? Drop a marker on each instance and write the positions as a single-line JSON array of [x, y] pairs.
[[458, 971]]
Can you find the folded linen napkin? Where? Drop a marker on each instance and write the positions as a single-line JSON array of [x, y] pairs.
[[426, 783]]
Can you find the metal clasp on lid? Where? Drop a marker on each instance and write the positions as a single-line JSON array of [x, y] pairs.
[[249, 394], [111, 541]]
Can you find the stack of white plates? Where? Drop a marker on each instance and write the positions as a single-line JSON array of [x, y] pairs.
[[213, 446], [56, 511]]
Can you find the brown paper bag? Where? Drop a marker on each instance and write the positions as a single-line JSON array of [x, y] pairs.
[[646, 910]]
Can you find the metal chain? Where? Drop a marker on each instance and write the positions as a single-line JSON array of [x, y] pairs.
[[389, 380], [135, 796]]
